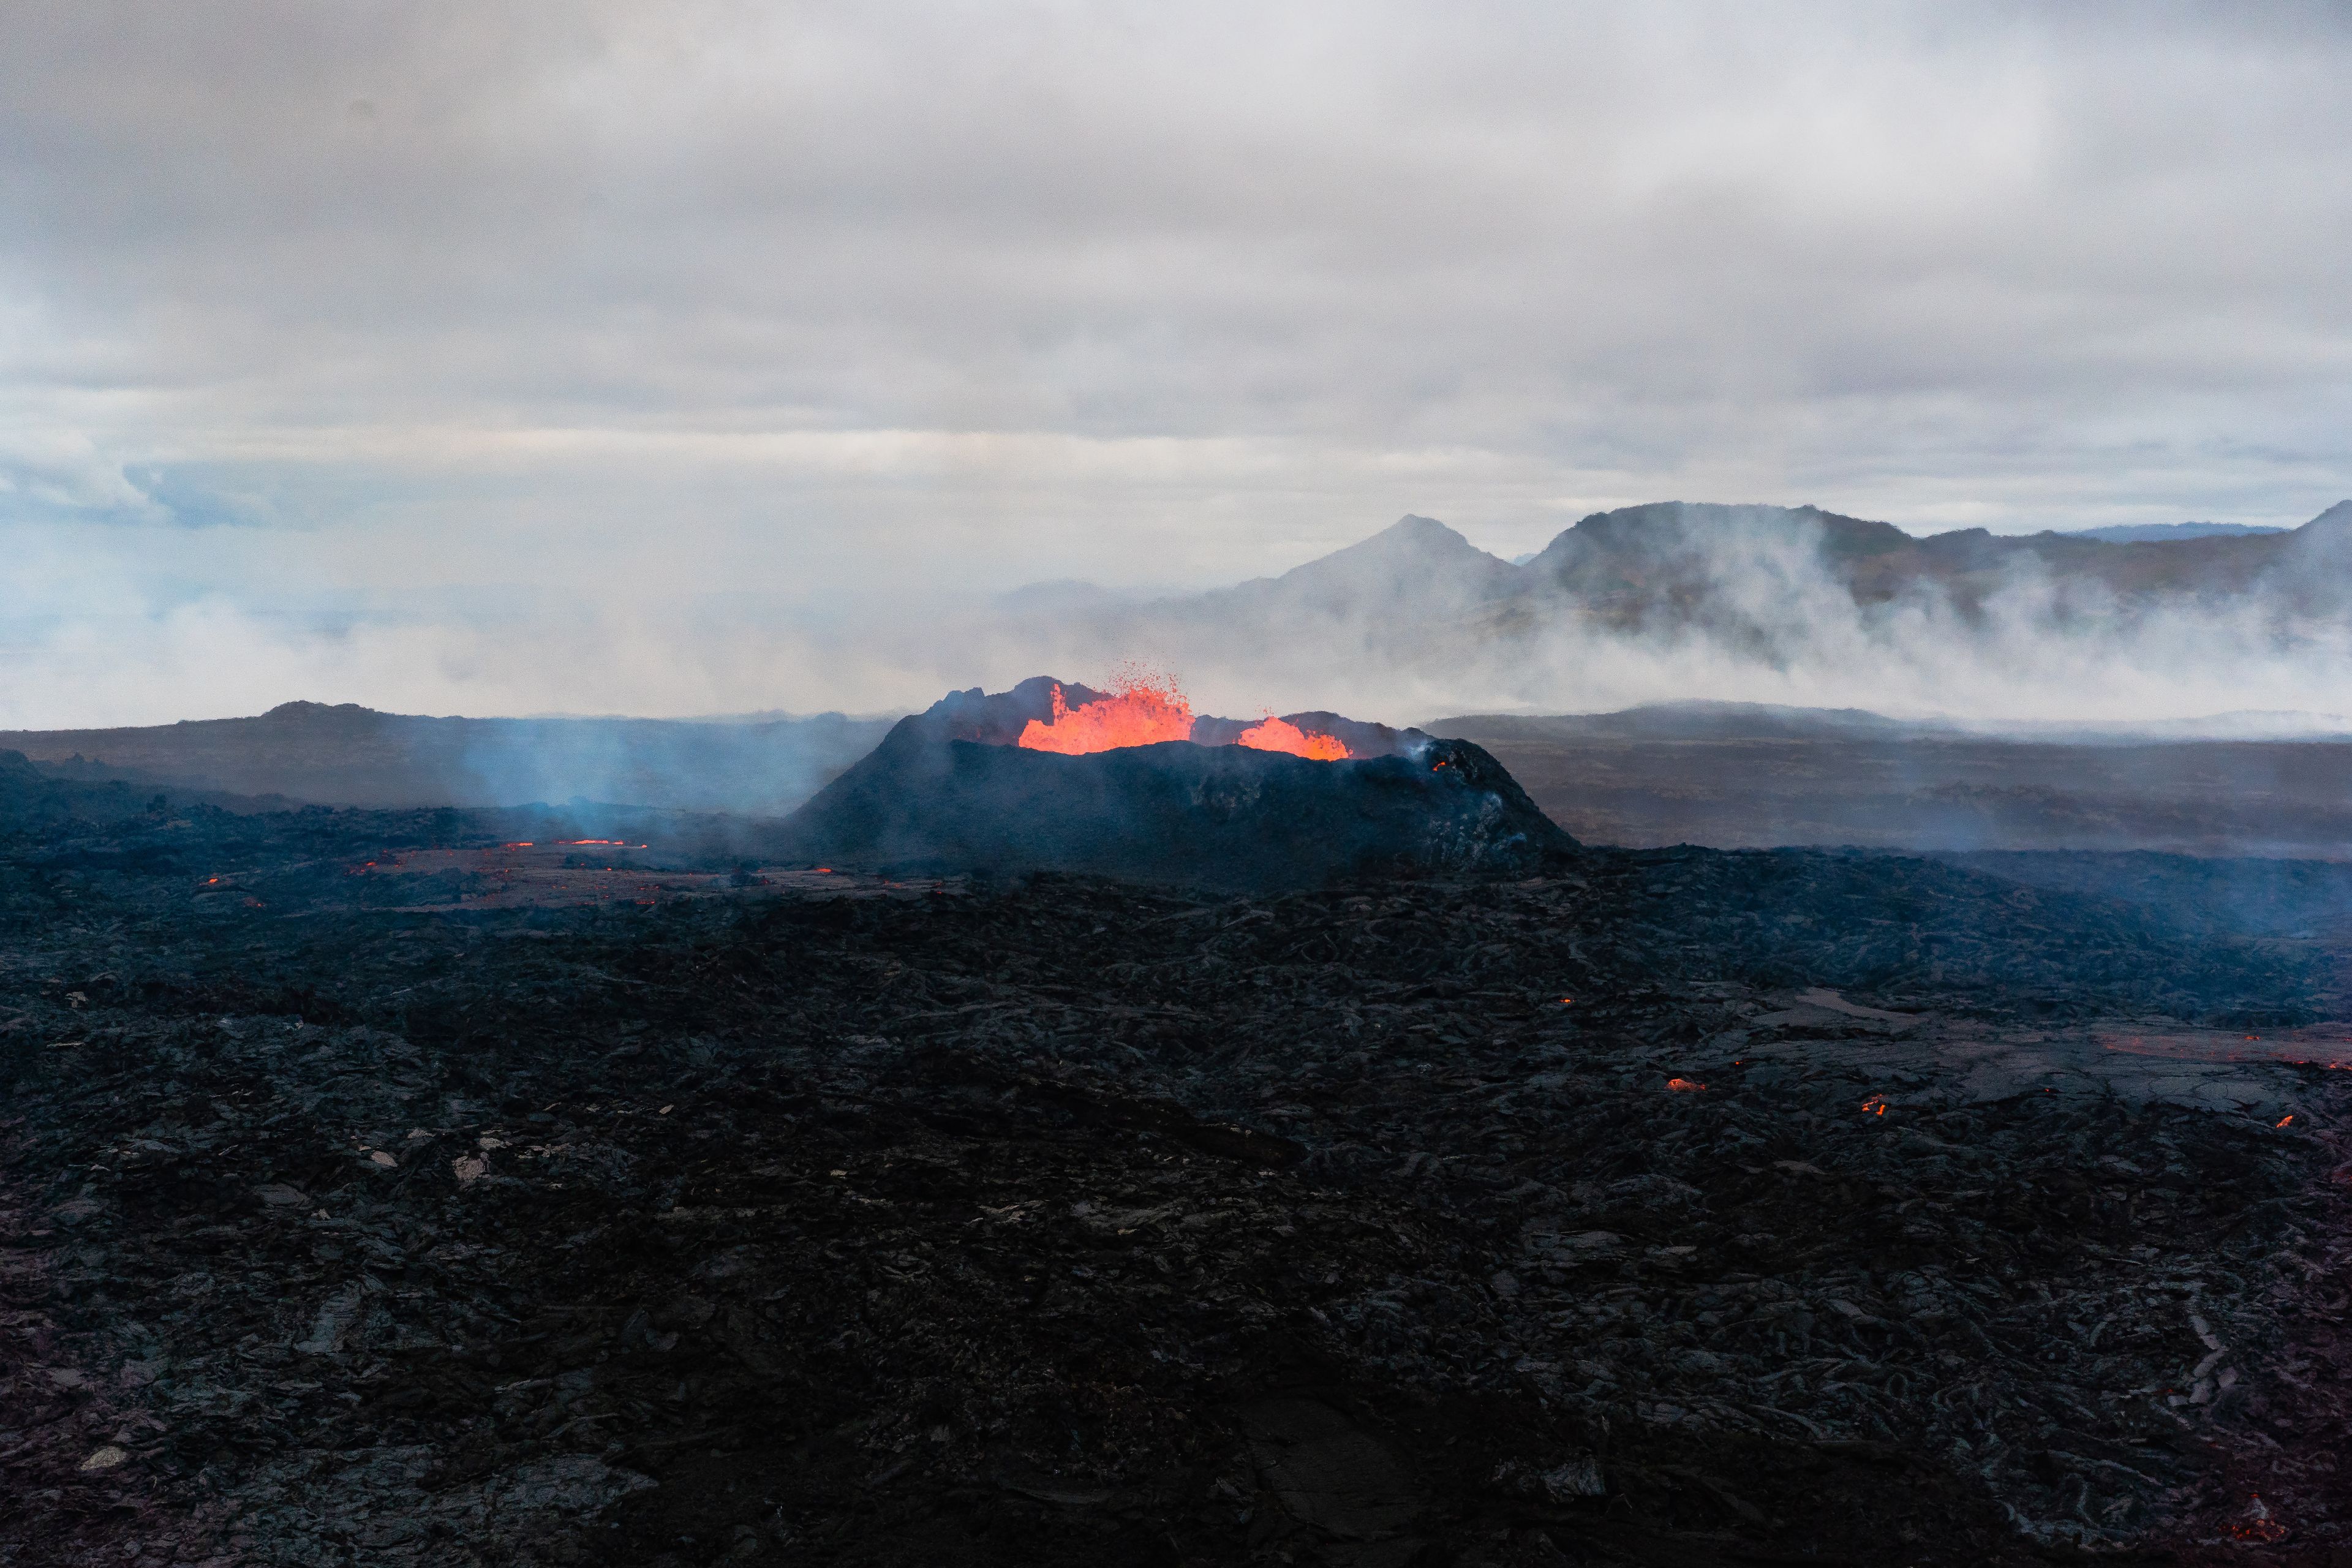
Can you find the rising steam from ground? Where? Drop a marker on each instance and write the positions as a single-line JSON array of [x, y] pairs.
[[1765, 619], [1762, 618]]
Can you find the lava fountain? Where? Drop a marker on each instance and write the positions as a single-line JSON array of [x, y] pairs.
[[1144, 710]]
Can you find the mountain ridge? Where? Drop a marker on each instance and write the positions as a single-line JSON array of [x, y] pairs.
[[1666, 560]]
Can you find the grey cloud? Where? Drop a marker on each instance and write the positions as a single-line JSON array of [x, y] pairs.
[[842, 303]]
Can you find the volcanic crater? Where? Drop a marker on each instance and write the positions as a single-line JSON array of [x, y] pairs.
[[1129, 783]]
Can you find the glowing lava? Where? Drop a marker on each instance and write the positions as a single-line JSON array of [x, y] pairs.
[[1282, 735], [1143, 710]]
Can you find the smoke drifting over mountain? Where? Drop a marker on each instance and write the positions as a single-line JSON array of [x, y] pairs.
[[1649, 603], [1771, 604]]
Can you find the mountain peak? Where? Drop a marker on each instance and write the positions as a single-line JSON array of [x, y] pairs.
[[1412, 535], [1413, 525], [2336, 519], [1414, 557], [1411, 539], [1658, 530]]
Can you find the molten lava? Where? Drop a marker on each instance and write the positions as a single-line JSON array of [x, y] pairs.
[[1141, 711], [1144, 708], [1282, 735]]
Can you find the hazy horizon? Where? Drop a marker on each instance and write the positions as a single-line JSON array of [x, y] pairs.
[[1401, 635], [588, 358]]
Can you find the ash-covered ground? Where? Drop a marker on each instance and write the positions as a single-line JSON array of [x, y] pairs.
[[1739, 776], [371, 1192]]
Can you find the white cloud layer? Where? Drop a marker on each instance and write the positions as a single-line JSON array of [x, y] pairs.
[[459, 356]]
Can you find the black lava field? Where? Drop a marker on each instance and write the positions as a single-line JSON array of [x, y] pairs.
[[441, 1187]]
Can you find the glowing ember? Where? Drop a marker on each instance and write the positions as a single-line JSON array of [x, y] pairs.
[[2258, 1524], [1143, 710], [1683, 1085], [1875, 1106], [1282, 735], [2288, 1118]]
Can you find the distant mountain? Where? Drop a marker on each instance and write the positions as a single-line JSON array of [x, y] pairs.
[[2166, 532], [350, 755], [1415, 594], [1417, 556], [1638, 563], [1669, 596], [1747, 573]]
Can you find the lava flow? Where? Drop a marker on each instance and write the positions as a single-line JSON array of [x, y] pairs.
[[1144, 710], [1282, 735]]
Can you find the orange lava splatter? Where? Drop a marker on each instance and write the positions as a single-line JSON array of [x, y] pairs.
[[2288, 1118], [1683, 1085], [1875, 1106], [1143, 710], [1282, 735]]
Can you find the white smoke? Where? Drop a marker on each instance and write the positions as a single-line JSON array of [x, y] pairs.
[[1771, 623]]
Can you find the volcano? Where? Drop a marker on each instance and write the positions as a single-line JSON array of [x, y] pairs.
[[1057, 777]]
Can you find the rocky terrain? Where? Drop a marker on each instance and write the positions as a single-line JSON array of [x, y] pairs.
[[380, 1189]]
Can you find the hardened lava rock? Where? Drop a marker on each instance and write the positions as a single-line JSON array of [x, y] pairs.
[[372, 1193]]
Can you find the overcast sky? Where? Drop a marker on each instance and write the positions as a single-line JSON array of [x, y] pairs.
[[471, 354]]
